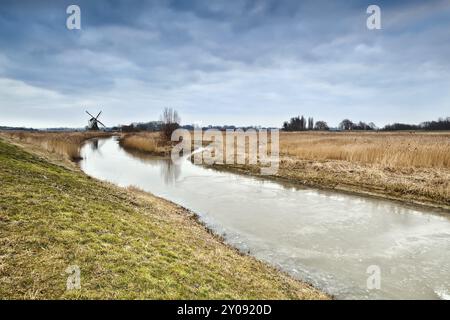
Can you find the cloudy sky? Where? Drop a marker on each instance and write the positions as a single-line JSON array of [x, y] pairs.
[[223, 62]]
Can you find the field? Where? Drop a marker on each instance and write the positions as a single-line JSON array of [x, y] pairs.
[[392, 150], [127, 244]]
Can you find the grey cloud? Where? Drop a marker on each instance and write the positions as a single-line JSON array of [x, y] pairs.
[[239, 61]]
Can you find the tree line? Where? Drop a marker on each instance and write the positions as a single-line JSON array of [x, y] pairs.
[[301, 123], [168, 123], [440, 124]]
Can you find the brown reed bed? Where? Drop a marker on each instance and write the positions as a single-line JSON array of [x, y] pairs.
[[66, 144], [148, 142], [408, 166], [388, 149]]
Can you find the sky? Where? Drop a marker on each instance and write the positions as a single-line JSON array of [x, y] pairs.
[[223, 62]]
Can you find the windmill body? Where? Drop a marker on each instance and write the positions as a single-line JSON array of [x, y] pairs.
[[93, 122]]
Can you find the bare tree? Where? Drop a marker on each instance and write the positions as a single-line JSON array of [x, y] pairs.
[[170, 121]]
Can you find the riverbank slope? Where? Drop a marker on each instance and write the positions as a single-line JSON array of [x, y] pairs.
[[126, 243]]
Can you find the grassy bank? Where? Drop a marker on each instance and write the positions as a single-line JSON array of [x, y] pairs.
[[127, 244]]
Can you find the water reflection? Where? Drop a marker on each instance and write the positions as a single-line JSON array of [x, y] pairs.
[[170, 172], [94, 144]]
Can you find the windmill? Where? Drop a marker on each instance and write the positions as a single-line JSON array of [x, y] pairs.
[[93, 122]]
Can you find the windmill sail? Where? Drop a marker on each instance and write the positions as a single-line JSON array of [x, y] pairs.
[[93, 122]]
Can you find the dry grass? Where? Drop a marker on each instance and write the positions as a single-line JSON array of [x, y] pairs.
[[67, 144], [393, 150], [409, 166], [149, 142], [387, 149]]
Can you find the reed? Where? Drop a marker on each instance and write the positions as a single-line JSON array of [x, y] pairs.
[[393, 150], [149, 142], [386, 149], [66, 144], [410, 166]]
